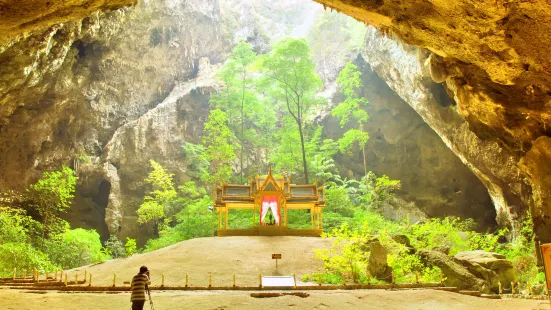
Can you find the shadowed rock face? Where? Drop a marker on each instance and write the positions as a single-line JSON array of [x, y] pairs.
[[491, 57], [24, 16], [402, 146]]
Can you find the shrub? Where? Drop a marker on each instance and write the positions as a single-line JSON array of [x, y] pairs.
[[115, 247], [23, 255], [76, 247]]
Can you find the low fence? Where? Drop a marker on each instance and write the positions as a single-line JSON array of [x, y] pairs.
[[63, 281]]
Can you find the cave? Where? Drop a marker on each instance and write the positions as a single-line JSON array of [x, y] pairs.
[[457, 95], [505, 152], [101, 198]]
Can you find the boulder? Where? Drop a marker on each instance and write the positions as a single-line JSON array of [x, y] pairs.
[[442, 249], [403, 239], [455, 273], [378, 265], [492, 267]]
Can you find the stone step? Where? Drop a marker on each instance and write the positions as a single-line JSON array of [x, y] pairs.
[[470, 293], [490, 296]]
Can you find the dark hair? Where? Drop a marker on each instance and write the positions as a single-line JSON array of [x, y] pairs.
[[143, 269]]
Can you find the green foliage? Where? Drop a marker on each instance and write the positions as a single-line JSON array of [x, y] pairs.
[[194, 155], [322, 168], [161, 202], [238, 95], [219, 151], [290, 78], [15, 225], [60, 246], [351, 138], [193, 221], [130, 247], [521, 250], [23, 255], [51, 195], [75, 247], [115, 247], [377, 190]]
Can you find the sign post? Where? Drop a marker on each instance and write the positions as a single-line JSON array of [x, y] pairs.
[[276, 257], [546, 255]]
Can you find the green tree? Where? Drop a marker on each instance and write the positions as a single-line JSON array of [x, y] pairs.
[[75, 247], [51, 195], [237, 93], [350, 109], [291, 78], [161, 202], [130, 246], [219, 152]]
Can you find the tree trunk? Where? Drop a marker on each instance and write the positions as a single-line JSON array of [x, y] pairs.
[[365, 160], [242, 128], [305, 167]]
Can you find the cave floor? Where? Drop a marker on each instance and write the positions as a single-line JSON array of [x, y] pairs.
[[167, 300]]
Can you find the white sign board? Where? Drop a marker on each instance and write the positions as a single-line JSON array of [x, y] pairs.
[[278, 281]]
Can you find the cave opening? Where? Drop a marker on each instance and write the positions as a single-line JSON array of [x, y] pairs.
[[101, 198]]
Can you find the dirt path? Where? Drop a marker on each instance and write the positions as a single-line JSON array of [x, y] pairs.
[[245, 257], [171, 300]]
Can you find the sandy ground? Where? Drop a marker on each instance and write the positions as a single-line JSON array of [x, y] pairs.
[[171, 300], [245, 257]]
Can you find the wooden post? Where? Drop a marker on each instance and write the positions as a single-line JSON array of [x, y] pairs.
[[55, 278], [227, 213], [65, 279], [417, 277], [163, 279], [76, 277], [90, 282], [500, 288], [295, 279], [85, 274], [529, 288], [219, 218], [260, 280], [210, 279], [187, 278], [513, 288], [114, 279], [393, 280], [14, 273], [35, 274], [233, 280]]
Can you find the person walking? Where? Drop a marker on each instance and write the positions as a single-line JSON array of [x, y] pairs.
[[138, 287]]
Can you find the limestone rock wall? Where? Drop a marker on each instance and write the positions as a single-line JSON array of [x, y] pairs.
[[491, 55], [67, 92], [435, 183], [20, 18]]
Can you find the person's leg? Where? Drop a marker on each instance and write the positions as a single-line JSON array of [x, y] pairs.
[[138, 305]]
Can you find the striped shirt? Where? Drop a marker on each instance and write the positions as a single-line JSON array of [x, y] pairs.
[[139, 283]]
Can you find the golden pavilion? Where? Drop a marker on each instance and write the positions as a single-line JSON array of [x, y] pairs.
[[269, 194]]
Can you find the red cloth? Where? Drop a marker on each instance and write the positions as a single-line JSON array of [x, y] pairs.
[[267, 200]]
